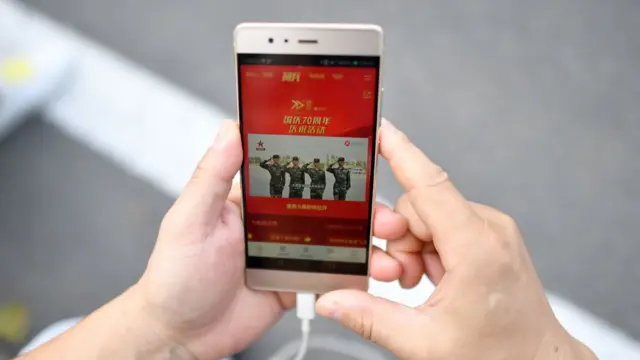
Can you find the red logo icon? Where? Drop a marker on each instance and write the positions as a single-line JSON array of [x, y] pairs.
[[347, 143], [260, 146]]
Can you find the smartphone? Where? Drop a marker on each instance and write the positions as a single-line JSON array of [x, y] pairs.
[[309, 110]]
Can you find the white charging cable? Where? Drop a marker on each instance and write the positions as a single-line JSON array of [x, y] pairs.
[[306, 311], [296, 350]]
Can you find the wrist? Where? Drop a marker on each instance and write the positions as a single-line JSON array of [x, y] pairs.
[[148, 337], [119, 330]]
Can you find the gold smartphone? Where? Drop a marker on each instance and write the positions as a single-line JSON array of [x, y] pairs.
[[309, 110]]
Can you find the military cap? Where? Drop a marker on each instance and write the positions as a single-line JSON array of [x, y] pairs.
[[316, 160], [341, 159], [276, 156], [295, 158]]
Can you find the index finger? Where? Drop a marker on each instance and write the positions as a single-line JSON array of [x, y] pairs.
[[433, 196]]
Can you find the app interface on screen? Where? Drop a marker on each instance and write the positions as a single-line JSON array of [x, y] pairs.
[[309, 136]]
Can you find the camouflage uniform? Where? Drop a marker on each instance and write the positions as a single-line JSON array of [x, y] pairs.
[[296, 181], [276, 184], [342, 183], [318, 181]]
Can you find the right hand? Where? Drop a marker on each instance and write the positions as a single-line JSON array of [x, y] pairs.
[[488, 302]]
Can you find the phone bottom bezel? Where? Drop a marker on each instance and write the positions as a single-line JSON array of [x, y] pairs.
[[296, 281]]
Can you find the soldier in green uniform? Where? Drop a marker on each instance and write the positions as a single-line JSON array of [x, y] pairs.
[[318, 180], [343, 180], [277, 171], [296, 179]]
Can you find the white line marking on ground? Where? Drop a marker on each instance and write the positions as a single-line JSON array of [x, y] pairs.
[[145, 124]]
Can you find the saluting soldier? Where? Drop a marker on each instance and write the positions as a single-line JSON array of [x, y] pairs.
[[296, 179], [343, 180], [277, 171], [318, 179]]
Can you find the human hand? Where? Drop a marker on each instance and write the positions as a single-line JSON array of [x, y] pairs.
[[488, 302], [193, 291]]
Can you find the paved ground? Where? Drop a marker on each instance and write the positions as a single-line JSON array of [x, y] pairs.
[[75, 230], [531, 107]]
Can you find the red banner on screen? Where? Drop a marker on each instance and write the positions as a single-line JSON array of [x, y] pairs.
[[323, 101], [308, 113], [307, 207]]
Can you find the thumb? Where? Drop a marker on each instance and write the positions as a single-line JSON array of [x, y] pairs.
[[399, 329], [206, 192]]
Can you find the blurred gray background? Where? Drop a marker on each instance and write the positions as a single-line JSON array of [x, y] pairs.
[[531, 106]]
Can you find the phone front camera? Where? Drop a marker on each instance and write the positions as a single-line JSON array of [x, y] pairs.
[[286, 40], [270, 40]]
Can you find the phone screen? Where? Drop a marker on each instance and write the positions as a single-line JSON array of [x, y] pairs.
[[308, 126]]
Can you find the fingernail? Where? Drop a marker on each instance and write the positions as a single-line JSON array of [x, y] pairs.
[[387, 125], [224, 133], [403, 284]]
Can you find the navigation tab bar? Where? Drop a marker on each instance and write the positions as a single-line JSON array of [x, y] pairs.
[[307, 252]]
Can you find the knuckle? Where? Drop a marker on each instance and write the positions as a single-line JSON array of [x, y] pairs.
[[366, 329], [508, 222], [504, 228], [502, 258], [503, 220], [367, 334], [436, 177], [510, 230], [361, 326], [498, 249], [500, 262], [403, 138], [502, 245], [417, 226]]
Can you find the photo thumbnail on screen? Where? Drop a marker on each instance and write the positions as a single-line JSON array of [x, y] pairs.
[[308, 167]]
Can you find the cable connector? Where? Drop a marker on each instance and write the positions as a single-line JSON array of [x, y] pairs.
[[306, 306], [306, 311]]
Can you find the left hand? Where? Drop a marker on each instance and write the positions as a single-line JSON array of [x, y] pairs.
[[193, 291]]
